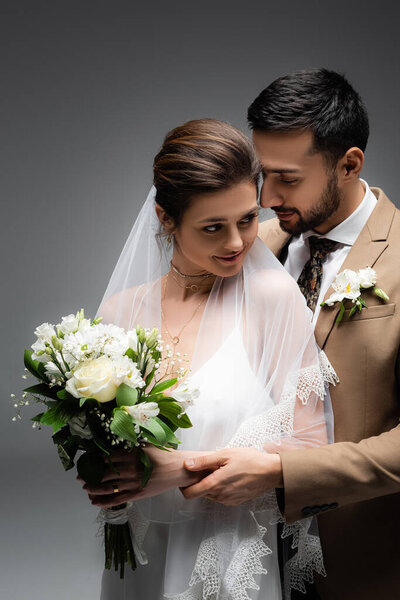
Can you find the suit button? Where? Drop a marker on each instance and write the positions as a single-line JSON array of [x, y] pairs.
[[306, 511], [315, 510], [334, 505]]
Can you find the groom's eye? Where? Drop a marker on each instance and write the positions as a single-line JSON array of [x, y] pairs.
[[289, 181]]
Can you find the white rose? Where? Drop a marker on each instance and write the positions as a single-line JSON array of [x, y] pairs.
[[94, 379], [367, 277], [185, 396], [143, 411]]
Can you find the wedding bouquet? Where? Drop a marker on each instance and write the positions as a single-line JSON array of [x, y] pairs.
[[101, 391]]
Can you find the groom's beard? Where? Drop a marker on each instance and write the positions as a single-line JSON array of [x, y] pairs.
[[326, 205]]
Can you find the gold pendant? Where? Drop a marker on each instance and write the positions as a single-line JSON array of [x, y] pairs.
[[175, 340]]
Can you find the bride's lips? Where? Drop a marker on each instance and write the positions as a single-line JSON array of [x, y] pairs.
[[231, 258]]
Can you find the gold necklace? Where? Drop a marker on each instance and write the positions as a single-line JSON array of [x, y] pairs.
[[194, 287], [175, 339]]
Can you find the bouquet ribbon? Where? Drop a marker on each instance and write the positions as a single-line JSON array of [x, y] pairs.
[[120, 516]]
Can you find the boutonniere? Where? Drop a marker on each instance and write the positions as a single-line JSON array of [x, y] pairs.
[[348, 285]]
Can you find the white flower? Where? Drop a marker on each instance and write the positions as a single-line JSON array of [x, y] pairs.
[[127, 372], [143, 411], [132, 340], [366, 277], [38, 351], [45, 331], [346, 285], [94, 379], [185, 396], [72, 323]]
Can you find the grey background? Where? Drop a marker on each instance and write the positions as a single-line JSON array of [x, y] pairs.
[[88, 90]]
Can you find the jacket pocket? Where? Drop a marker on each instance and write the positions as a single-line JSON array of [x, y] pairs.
[[377, 311]]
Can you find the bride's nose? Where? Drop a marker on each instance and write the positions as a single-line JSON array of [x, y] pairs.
[[233, 241]]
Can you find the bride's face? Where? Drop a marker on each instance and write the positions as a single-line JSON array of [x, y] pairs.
[[217, 231]]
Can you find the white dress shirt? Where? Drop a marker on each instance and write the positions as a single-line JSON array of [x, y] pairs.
[[345, 234]]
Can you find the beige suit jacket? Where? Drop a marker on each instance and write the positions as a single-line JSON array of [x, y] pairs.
[[354, 484]]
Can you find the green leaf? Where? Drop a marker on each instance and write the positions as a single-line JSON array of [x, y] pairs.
[[341, 313], [126, 396], [147, 467], [171, 409], [58, 415], [170, 436], [149, 378], [62, 435], [66, 461], [64, 395], [122, 425], [163, 385], [37, 418], [42, 389], [132, 355], [156, 430], [352, 311], [67, 451], [91, 467], [33, 365]]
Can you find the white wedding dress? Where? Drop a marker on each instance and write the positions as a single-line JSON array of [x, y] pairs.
[[261, 385], [199, 550]]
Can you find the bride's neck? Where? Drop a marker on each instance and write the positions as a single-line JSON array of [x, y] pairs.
[[186, 280]]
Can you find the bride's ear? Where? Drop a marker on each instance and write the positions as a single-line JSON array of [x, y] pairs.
[[166, 221]]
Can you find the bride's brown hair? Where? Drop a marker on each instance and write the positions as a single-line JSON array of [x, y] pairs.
[[201, 156]]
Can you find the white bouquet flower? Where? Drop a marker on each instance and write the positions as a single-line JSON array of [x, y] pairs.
[[101, 391]]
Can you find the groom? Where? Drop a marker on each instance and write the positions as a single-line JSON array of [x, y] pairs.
[[310, 130]]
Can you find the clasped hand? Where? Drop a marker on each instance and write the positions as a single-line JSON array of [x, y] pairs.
[[231, 476], [168, 472]]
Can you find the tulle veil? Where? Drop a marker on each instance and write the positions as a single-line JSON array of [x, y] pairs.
[[256, 344]]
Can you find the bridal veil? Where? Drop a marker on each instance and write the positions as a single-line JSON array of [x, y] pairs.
[[264, 385]]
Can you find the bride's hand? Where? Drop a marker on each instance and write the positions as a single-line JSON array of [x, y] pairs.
[[168, 472]]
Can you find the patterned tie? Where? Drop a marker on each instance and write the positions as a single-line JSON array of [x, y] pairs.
[[311, 275]]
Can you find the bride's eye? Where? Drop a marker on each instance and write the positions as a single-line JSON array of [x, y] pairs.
[[249, 219], [212, 228]]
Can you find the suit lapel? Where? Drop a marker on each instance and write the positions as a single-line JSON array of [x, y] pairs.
[[366, 250]]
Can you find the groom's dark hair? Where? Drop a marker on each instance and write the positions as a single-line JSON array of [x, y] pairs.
[[320, 100]]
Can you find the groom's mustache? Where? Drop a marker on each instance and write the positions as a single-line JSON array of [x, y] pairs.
[[281, 210]]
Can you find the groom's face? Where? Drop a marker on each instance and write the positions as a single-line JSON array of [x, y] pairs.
[[297, 183]]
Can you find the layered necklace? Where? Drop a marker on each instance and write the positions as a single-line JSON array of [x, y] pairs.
[[187, 282]]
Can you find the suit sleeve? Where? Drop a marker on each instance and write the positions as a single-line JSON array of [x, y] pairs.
[[324, 478]]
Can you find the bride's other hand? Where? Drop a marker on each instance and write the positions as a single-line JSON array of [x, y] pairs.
[[168, 472], [238, 475]]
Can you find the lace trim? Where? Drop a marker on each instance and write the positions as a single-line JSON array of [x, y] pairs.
[[208, 582], [310, 380], [278, 420]]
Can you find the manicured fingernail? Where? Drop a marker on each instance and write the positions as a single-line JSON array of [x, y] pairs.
[[189, 462]]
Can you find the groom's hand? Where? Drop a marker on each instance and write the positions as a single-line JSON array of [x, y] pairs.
[[238, 475]]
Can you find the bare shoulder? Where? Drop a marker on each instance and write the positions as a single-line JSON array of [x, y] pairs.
[[123, 305], [273, 284]]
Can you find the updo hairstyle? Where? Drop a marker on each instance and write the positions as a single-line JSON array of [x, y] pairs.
[[198, 157]]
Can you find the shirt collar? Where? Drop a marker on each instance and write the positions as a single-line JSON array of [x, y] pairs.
[[348, 230]]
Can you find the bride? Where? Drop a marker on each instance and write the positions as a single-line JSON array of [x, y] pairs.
[[236, 326]]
